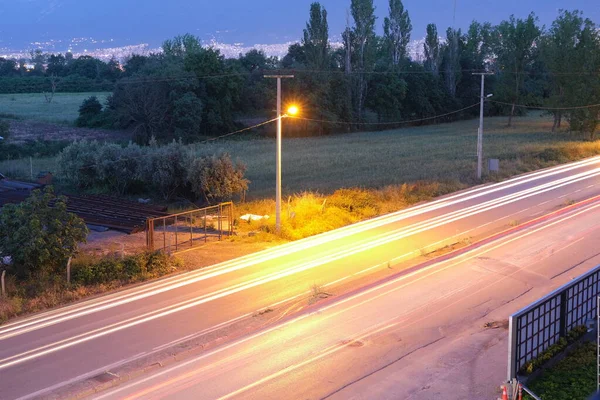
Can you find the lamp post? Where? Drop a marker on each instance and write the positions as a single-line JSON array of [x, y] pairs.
[[292, 110], [480, 131]]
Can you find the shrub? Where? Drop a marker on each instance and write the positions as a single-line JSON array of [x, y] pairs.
[[171, 170], [39, 234], [128, 269], [118, 167], [90, 112], [217, 178], [166, 168], [574, 377], [553, 350], [77, 163]]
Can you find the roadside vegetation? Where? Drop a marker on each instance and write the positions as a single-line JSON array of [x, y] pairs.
[[42, 238], [310, 213], [336, 170], [572, 378]]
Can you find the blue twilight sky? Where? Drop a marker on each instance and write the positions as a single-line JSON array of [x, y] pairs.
[[236, 21]]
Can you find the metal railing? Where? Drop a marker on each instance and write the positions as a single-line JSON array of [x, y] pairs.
[[538, 326], [186, 230]]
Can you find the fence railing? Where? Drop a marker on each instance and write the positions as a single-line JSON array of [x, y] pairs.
[[186, 230], [541, 324]]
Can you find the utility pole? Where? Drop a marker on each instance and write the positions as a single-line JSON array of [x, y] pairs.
[[278, 151], [480, 132]]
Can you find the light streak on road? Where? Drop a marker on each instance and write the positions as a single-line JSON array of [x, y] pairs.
[[345, 306], [347, 251], [70, 312]]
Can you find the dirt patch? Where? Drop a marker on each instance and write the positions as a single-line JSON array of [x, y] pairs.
[[22, 131], [111, 242], [496, 324]]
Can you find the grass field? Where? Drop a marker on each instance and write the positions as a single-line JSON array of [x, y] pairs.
[[63, 109], [445, 152]]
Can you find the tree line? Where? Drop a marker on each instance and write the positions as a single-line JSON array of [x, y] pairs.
[[188, 91]]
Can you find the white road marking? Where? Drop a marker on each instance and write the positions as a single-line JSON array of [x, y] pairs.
[[467, 256], [384, 239], [293, 247]]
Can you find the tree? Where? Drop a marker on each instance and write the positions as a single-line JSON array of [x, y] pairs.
[[515, 49], [561, 47], [89, 110], [451, 60], [39, 234], [397, 29], [217, 178], [256, 60], [316, 38], [181, 46], [364, 40], [166, 168], [38, 59], [187, 115], [57, 65], [584, 88], [431, 48]]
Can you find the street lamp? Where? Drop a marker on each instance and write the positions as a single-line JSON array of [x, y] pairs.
[[480, 131], [292, 111]]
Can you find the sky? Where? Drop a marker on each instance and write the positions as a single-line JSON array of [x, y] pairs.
[[23, 22]]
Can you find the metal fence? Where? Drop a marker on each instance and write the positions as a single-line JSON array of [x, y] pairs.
[[183, 231], [541, 324]]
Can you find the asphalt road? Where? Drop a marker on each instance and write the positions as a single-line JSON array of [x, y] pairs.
[[430, 334], [50, 350]]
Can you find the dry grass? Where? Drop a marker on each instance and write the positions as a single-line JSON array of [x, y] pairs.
[[56, 295], [310, 213]]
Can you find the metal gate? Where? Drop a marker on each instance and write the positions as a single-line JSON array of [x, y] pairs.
[[186, 230]]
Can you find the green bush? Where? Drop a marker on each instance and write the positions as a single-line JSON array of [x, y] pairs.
[[574, 377], [217, 178], [170, 170], [555, 349], [39, 234], [128, 269], [77, 163]]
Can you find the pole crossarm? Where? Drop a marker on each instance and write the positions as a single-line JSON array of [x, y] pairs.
[[279, 76]]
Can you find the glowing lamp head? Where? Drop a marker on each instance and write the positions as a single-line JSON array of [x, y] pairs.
[[292, 110]]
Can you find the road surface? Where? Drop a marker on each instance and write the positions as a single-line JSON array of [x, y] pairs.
[[437, 333], [50, 350]]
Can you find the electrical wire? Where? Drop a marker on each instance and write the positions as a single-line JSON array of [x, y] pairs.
[[125, 159], [388, 123], [546, 108], [239, 131]]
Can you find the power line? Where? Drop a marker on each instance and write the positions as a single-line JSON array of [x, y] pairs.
[[125, 159], [546, 108], [239, 131], [387, 123]]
